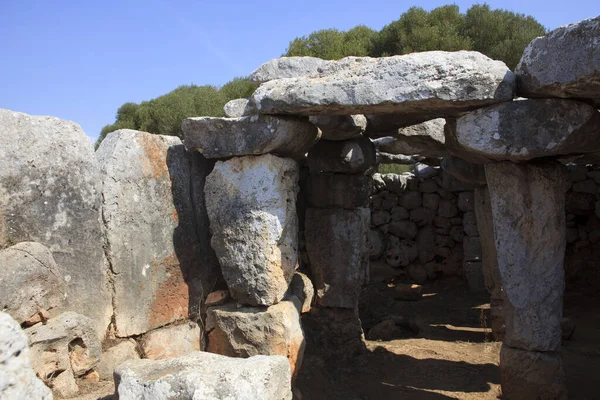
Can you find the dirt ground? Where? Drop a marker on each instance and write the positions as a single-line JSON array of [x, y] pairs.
[[451, 357]]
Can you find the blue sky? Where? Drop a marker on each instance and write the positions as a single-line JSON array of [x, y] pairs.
[[80, 60]]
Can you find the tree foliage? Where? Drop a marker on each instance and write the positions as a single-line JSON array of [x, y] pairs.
[[499, 34]]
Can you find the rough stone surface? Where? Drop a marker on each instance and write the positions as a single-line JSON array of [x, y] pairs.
[[207, 376], [429, 84], [248, 331], [251, 203], [171, 341], [17, 377], [347, 156], [340, 127], [336, 242], [251, 135], [288, 67], [485, 227], [303, 289], [148, 215], [573, 53], [529, 230], [337, 191], [464, 170], [238, 108], [30, 281], [50, 194], [336, 332], [531, 375], [115, 356], [67, 343], [524, 130], [426, 139]]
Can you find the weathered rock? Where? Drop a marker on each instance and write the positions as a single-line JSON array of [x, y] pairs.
[[472, 248], [342, 156], [524, 130], [529, 230], [422, 216], [483, 213], [426, 239], [171, 341], [217, 298], [336, 332], [50, 194], [239, 108], [251, 203], [67, 342], [393, 328], [586, 186], [248, 331], [470, 224], [30, 281], [580, 203], [336, 242], [428, 186], [380, 217], [377, 244], [466, 201], [398, 183], [17, 377], [464, 170], [337, 191], [410, 200], [148, 214], [64, 385], [303, 289], [431, 200], [531, 375], [251, 135], [425, 139], [288, 67], [399, 213], [207, 376], [340, 127], [379, 272], [429, 84], [573, 52], [402, 254], [447, 210], [115, 356], [452, 184], [378, 184], [424, 171], [404, 229]]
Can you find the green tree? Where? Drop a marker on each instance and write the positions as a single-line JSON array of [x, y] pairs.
[[332, 44]]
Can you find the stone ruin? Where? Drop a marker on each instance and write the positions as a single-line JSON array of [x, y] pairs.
[[132, 260]]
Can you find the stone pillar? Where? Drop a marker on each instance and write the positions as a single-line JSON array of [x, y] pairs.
[[529, 232], [491, 274], [336, 229]]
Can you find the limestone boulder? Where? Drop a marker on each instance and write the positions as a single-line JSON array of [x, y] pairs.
[[340, 127], [337, 247], [348, 156], [288, 67], [207, 376], [302, 287], [425, 139], [337, 190], [529, 231], [248, 331], [17, 377], [153, 250], [171, 341], [238, 108], [115, 356], [30, 282], [251, 135], [251, 203], [428, 85], [573, 52], [524, 130], [50, 193]]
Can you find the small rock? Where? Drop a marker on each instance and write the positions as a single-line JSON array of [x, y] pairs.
[[399, 213], [347, 156], [115, 356], [410, 200], [404, 229], [447, 209], [64, 385], [216, 298], [431, 201], [380, 217]]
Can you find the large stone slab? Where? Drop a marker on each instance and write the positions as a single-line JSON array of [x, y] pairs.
[[50, 193], [337, 190], [564, 63], [17, 377], [238, 108], [336, 243], [529, 230], [425, 139], [524, 130], [531, 375], [207, 376], [30, 282], [149, 222], [288, 67], [340, 127], [429, 84], [248, 331], [251, 135], [485, 226], [342, 156], [251, 203]]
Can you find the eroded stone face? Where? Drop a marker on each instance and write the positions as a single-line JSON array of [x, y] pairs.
[[426, 139], [288, 67], [524, 130], [50, 193], [252, 135], [340, 127], [564, 63], [529, 231], [421, 86], [149, 222], [344, 156], [205, 376], [251, 203]]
